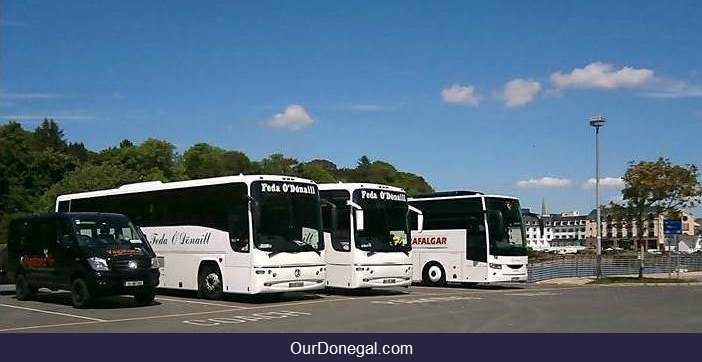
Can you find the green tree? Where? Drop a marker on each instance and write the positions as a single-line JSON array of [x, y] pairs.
[[657, 186], [203, 160], [89, 177], [49, 134], [315, 172], [277, 164]]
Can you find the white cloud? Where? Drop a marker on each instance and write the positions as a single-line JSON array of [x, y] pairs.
[[519, 92], [605, 182], [673, 88], [457, 94], [295, 117], [544, 183], [602, 75]]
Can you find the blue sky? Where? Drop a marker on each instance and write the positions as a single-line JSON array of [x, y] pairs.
[[472, 95]]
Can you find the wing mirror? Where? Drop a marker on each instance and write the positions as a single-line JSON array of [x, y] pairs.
[[358, 215], [420, 217]]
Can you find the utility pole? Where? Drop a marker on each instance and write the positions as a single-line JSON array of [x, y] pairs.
[[598, 122]]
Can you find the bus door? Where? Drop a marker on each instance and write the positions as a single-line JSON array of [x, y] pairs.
[[475, 256]]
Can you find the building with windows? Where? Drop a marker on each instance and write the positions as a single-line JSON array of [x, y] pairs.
[[571, 231], [622, 232], [555, 232]]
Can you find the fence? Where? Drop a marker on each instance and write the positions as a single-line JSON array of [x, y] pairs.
[[584, 266]]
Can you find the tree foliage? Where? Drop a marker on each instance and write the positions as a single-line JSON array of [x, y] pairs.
[[37, 166], [661, 186]]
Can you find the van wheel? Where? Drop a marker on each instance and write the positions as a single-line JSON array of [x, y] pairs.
[[80, 294], [209, 282], [145, 297], [433, 274], [23, 291]]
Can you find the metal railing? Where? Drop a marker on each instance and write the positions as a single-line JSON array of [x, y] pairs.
[[584, 266]]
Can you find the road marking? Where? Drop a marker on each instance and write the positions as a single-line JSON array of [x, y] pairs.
[[46, 326], [426, 300], [255, 317], [55, 313], [536, 294], [198, 302], [456, 292]]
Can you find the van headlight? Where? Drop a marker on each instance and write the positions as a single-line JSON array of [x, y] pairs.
[[154, 263], [495, 266], [98, 264]]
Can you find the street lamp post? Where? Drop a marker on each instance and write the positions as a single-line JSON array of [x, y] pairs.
[[598, 122]]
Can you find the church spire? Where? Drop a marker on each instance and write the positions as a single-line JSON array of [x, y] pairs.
[[543, 207]]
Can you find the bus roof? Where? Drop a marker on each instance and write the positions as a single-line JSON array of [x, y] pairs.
[[351, 186], [158, 185], [447, 195]]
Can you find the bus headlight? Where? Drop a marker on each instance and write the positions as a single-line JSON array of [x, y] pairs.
[[98, 264], [154, 263], [495, 266]]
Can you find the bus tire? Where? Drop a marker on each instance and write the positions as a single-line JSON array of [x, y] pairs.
[[23, 290], [209, 282], [433, 274], [80, 294]]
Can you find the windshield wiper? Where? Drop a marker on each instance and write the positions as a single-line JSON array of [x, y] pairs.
[[301, 249]]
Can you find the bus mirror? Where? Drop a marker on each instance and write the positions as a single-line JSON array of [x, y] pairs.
[[420, 217], [359, 219]]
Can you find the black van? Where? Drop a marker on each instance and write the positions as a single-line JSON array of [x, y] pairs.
[[90, 254]]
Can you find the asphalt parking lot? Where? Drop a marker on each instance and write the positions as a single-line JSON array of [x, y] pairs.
[[525, 308]]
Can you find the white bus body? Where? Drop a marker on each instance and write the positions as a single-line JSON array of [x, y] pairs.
[[237, 234], [368, 245], [456, 244]]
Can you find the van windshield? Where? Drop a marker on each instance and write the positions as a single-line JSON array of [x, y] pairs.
[[107, 232]]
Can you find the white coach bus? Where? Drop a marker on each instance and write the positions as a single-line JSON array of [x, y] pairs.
[[236, 234], [469, 237], [367, 235]]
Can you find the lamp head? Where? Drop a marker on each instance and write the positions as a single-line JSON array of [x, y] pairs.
[[597, 121]]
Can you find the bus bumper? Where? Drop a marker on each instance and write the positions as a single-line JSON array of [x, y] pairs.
[[288, 279], [381, 276]]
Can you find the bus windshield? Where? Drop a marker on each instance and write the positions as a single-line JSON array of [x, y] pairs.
[[385, 221], [505, 227], [112, 232], [286, 216]]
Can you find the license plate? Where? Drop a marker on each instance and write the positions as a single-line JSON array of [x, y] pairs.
[[133, 283], [295, 284], [388, 281]]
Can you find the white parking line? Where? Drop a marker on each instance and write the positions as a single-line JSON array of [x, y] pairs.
[[46, 326], [198, 302], [534, 294], [51, 312]]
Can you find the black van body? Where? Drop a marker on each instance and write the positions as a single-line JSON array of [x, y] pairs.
[[90, 254]]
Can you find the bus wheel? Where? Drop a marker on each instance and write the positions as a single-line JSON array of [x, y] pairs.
[[80, 294], [433, 274], [23, 291], [210, 282]]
